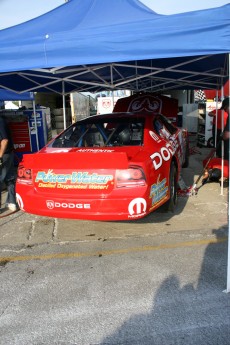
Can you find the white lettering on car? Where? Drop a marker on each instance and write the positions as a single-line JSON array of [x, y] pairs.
[[51, 205], [164, 155]]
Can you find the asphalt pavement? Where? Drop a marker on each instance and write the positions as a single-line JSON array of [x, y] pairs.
[[158, 280]]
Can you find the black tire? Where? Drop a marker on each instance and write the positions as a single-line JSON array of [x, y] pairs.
[[186, 162], [170, 205]]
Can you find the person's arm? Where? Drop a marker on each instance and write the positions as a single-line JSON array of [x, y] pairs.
[[3, 146], [3, 138], [211, 113]]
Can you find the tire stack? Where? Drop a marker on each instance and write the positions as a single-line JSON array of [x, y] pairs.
[[59, 118]]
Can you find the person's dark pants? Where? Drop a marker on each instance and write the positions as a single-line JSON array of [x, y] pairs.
[[8, 176], [216, 134], [226, 149]]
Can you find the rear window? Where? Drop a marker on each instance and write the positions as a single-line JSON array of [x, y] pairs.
[[100, 133]]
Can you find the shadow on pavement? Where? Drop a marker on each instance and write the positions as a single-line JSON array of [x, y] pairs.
[[186, 314]]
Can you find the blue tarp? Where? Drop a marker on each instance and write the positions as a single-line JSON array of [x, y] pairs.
[[97, 31], [82, 34], [7, 95]]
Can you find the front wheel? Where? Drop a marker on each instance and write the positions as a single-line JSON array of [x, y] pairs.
[[170, 205]]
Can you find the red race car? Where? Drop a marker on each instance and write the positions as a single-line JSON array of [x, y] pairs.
[[118, 166]]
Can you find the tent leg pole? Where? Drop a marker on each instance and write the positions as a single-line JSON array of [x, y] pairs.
[[216, 118], [222, 145], [35, 124], [228, 262], [63, 102]]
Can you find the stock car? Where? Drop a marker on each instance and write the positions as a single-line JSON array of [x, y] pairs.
[[118, 166]]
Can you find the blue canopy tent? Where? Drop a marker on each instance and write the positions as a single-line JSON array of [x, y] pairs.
[[7, 95], [94, 45]]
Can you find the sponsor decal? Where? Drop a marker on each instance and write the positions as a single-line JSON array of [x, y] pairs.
[[37, 115], [158, 191], [95, 150], [164, 154], [19, 146], [20, 201], [148, 103], [60, 150], [106, 103], [181, 149], [154, 136], [50, 204], [174, 142], [178, 146], [75, 180], [137, 207], [71, 205]]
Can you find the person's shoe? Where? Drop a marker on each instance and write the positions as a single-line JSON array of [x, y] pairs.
[[12, 207]]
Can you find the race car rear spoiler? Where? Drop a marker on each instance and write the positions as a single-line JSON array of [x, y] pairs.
[[81, 159]]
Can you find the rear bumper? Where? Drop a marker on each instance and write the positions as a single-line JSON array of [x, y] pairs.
[[119, 208]]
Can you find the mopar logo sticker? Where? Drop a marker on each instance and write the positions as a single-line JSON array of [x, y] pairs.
[[137, 207], [51, 205]]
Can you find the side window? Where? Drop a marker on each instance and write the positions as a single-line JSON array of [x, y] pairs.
[[161, 129], [157, 125], [168, 125], [164, 127]]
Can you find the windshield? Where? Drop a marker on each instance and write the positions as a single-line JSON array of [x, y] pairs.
[[100, 133]]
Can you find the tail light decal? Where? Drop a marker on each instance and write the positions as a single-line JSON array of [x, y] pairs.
[[131, 177], [24, 175]]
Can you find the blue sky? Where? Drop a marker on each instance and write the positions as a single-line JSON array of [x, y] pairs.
[[14, 12]]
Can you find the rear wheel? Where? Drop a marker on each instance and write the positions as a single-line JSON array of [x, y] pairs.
[[170, 205]]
